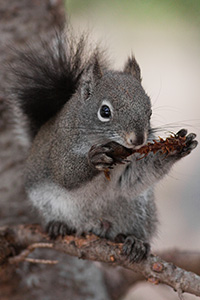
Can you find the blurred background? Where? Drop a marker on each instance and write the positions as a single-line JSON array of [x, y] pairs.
[[164, 36]]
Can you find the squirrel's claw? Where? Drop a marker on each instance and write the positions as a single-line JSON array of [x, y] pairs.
[[56, 228], [190, 142], [99, 159], [135, 249], [181, 133]]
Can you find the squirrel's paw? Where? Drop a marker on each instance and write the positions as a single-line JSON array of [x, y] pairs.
[[99, 157], [135, 249], [56, 228], [190, 142]]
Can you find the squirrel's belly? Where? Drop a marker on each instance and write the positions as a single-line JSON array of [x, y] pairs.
[[96, 207], [56, 202]]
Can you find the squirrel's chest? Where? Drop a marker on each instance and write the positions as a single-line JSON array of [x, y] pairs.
[[96, 206], [100, 190], [91, 200]]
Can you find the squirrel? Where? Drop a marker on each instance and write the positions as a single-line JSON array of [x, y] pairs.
[[73, 103]]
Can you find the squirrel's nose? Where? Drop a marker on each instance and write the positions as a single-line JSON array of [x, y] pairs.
[[134, 140]]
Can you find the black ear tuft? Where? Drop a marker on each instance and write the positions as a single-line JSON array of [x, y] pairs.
[[91, 75], [132, 67]]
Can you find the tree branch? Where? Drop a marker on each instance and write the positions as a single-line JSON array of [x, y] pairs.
[[17, 242]]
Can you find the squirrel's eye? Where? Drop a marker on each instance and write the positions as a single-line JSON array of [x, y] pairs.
[[105, 111]]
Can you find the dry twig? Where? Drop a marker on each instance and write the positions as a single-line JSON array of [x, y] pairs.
[[26, 238]]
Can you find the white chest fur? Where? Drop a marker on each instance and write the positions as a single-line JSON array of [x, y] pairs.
[[51, 198], [94, 204]]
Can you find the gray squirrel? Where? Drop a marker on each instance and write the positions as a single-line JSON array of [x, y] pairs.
[[73, 104]]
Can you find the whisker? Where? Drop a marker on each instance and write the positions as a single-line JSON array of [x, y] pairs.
[[166, 107], [170, 128], [158, 93]]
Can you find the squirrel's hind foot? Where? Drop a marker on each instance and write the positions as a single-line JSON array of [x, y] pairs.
[[135, 249], [56, 228]]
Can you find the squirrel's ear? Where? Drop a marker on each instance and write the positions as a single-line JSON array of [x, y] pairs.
[[132, 67], [89, 78]]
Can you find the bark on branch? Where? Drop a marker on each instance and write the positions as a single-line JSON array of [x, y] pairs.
[[17, 242]]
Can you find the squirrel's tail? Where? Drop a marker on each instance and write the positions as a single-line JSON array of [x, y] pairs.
[[44, 80]]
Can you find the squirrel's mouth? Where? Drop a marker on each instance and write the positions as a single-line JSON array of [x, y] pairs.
[[130, 140], [130, 146], [135, 147]]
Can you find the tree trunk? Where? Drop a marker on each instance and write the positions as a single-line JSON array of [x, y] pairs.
[[21, 22]]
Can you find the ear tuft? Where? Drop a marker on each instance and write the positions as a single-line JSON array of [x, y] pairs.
[[90, 76], [131, 67]]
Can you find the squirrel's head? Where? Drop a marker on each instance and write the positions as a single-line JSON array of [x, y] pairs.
[[113, 105]]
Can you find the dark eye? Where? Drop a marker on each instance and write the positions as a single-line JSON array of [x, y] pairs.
[[105, 112]]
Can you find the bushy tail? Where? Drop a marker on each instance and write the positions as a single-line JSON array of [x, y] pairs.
[[43, 81]]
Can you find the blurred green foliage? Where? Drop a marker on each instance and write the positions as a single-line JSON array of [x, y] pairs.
[[189, 10]]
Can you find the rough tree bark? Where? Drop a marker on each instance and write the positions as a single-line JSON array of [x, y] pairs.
[[17, 242]]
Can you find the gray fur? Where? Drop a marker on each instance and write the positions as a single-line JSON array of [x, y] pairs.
[[65, 186]]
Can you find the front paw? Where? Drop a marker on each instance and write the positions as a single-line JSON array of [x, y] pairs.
[[189, 144], [135, 250], [56, 228], [99, 157]]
